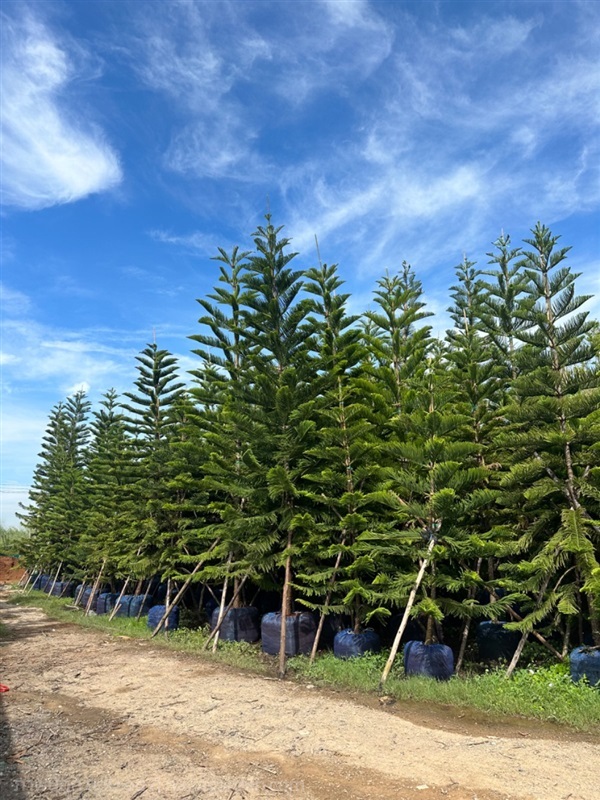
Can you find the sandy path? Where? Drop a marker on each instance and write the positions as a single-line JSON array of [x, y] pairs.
[[106, 718]]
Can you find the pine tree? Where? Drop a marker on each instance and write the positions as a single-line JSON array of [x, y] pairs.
[[244, 536], [552, 486], [280, 381], [399, 343], [58, 498], [343, 471], [108, 487], [506, 303], [152, 423], [436, 485]]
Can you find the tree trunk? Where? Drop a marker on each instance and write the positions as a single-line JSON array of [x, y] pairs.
[[286, 608], [463, 645], [593, 619]]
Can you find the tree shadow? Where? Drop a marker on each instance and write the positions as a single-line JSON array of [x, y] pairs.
[[10, 774]]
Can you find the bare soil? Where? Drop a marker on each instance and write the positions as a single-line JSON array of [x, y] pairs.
[[106, 718], [10, 571]]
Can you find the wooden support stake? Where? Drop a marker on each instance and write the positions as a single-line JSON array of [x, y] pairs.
[[145, 597], [41, 572], [222, 619], [79, 594], [94, 591], [180, 593], [29, 577], [315, 646], [222, 603], [409, 605], [113, 613], [55, 578]]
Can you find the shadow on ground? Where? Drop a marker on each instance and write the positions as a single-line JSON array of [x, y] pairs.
[[10, 778]]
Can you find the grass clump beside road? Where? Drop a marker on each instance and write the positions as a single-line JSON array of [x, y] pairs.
[[543, 693]]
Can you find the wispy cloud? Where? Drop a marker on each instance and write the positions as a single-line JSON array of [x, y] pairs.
[[51, 152], [197, 242], [452, 130]]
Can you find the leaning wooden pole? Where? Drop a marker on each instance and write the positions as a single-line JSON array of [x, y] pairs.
[[167, 604], [113, 613], [222, 603], [407, 610], [215, 632], [41, 572], [315, 646], [94, 591], [144, 598], [179, 595], [79, 594], [56, 574], [30, 577]]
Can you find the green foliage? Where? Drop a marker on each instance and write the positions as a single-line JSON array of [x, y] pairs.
[[322, 451], [12, 539]]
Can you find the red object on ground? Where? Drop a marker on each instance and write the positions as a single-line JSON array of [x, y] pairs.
[[3, 688]]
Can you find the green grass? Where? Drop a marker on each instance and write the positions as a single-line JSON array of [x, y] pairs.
[[235, 654], [543, 693], [11, 539]]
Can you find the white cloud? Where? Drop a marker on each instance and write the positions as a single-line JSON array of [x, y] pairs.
[[14, 303], [82, 386], [51, 152], [35, 354], [195, 242]]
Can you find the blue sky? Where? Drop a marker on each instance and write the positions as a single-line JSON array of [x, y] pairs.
[[138, 137]]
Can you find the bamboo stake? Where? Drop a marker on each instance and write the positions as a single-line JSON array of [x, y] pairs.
[[518, 618], [24, 579], [467, 626], [41, 572], [222, 603], [409, 605], [222, 620], [315, 646], [113, 613], [169, 606], [168, 602], [79, 595], [29, 577], [523, 640], [145, 597], [55, 578], [92, 597]]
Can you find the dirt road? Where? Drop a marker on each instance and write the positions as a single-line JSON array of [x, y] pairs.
[[102, 718]]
